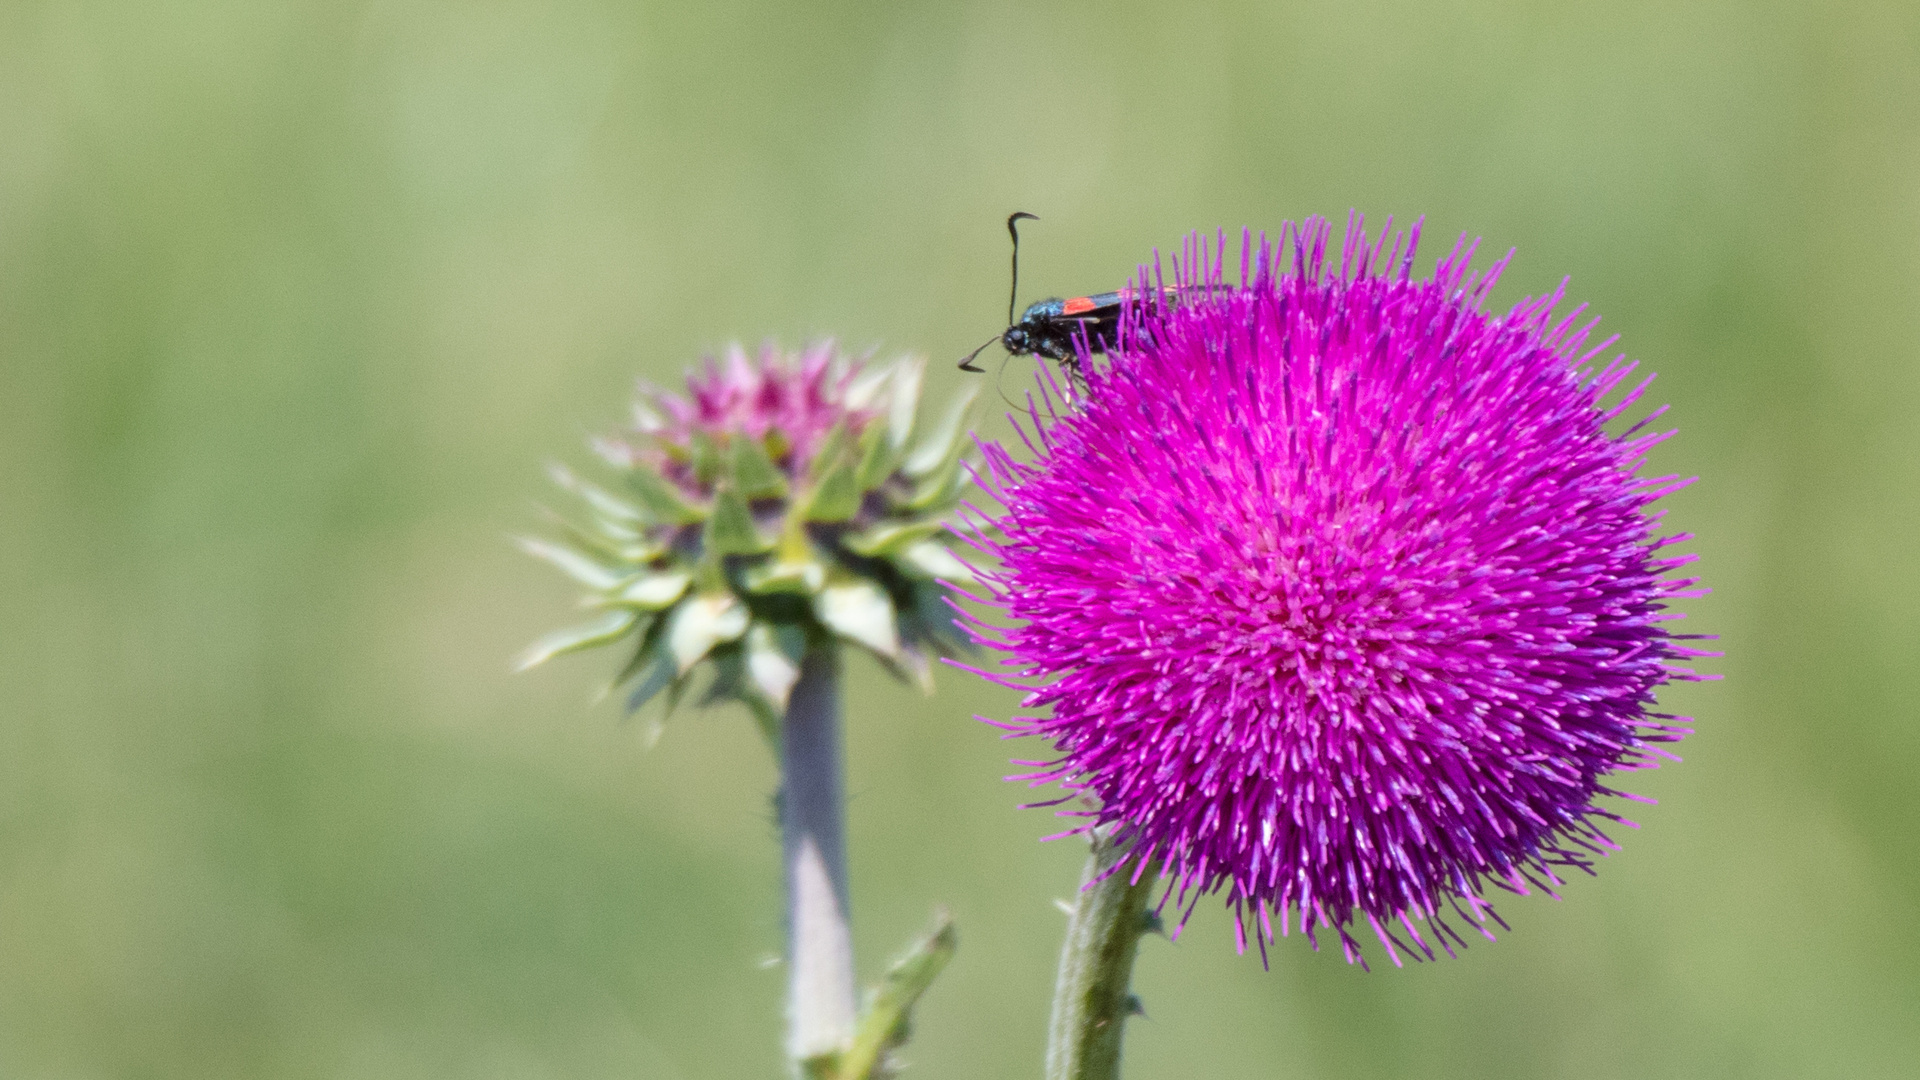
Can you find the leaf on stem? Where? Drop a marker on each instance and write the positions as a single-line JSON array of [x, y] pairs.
[[886, 1020]]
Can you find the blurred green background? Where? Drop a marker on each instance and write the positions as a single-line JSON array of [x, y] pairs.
[[296, 299]]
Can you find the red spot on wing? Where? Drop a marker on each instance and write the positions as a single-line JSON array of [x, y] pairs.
[[1078, 305]]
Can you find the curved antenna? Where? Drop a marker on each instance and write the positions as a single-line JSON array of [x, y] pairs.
[[1013, 229], [966, 364]]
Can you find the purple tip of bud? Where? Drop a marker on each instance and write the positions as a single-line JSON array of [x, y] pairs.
[[1336, 594], [795, 398]]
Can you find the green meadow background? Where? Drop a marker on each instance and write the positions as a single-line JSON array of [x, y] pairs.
[[297, 300]]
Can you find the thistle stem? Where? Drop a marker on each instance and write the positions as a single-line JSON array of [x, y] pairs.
[[1091, 1001], [820, 988]]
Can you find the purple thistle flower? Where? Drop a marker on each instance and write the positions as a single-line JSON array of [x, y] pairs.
[[1334, 594]]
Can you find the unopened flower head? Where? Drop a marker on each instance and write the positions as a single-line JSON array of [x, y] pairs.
[[782, 500], [1336, 594]]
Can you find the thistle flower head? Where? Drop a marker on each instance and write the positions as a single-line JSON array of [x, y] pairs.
[[1336, 594], [782, 501]]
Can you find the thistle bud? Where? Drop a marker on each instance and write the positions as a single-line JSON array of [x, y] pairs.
[[782, 503]]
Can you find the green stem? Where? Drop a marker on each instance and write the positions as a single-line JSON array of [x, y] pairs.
[[1091, 1001], [820, 990]]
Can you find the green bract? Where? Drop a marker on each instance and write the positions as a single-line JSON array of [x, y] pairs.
[[784, 502]]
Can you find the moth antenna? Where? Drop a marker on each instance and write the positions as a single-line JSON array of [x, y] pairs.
[[966, 363], [1013, 229]]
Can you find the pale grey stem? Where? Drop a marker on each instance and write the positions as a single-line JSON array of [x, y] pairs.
[[820, 988], [1091, 1001]]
